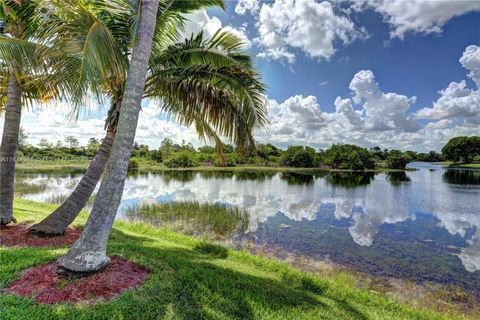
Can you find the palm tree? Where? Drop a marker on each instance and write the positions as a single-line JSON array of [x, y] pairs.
[[190, 79], [89, 252], [23, 77]]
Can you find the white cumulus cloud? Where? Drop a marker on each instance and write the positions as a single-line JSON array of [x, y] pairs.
[[418, 16], [311, 26]]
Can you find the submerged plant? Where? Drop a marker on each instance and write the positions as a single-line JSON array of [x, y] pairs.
[[211, 220]]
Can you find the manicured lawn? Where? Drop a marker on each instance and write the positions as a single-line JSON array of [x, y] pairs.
[[191, 279]]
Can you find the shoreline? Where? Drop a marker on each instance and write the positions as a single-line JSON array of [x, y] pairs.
[[146, 166], [238, 274]]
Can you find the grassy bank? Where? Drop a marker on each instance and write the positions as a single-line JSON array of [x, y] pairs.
[[191, 279], [52, 166], [458, 165], [147, 165]]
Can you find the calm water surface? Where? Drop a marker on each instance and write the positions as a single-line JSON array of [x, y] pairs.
[[420, 225]]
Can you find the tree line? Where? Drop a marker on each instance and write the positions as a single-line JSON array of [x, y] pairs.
[[338, 156]]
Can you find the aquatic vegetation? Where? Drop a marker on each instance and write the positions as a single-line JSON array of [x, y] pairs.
[[210, 220], [23, 186]]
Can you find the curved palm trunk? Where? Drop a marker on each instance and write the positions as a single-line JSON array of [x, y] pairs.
[[8, 150], [89, 252], [63, 216]]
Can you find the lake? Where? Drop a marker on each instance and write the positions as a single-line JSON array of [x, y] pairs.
[[421, 225]]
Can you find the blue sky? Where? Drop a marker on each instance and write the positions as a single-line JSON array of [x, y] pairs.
[[418, 65], [396, 73]]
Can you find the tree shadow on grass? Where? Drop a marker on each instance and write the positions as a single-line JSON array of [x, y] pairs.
[[195, 283], [202, 283]]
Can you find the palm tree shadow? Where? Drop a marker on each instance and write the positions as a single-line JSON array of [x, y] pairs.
[[199, 284]]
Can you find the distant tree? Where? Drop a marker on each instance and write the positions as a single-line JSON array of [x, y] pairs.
[[72, 142], [267, 150], [22, 138], [59, 144], [462, 149], [45, 144], [180, 160], [377, 152], [140, 150], [300, 157], [348, 156], [93, 145], [166, 148], [156, 155], [397, 160], [207, 149]]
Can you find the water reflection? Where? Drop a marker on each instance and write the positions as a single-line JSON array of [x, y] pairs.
[[350, 179], [397, 178], [297, 178], [412, 224], [462, 177]]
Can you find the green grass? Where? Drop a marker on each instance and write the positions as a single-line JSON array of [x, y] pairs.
[[192, 279], [207, 220], [22, 187], [40, 166], [458, 165], [148, 165]]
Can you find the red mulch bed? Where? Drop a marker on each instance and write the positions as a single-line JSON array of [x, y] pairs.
[[18, 236], [47, 287]]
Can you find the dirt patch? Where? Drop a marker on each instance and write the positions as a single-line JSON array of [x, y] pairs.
[[18, 236], [46, 286]]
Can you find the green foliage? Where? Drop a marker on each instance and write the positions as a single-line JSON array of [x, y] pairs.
[[180, 160], [397, 160], [348, 156], [300, 157], [72, 142], [462, 149], [132, 165], [207, 149], [214, 221]]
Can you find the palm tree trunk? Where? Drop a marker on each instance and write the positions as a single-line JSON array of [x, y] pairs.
[[8, 150], [89, 253], [56, 223]]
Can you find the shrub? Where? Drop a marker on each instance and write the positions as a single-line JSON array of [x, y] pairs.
[[180, 160], [132, 165], [300, 157], [397, 160], [348, 156]]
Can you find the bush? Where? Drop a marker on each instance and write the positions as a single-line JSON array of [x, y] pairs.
[[348, 156], [132, 165], [462, 148], [397, 160], [300, 157], [180, 160], [230, 160]]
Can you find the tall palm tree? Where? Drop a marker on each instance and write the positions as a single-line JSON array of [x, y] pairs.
[[37, 68], [23, 77], [13, 24], [89, 252], [189, 79]]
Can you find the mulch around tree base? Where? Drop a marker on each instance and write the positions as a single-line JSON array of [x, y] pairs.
[[17, 236], [46, 286]]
